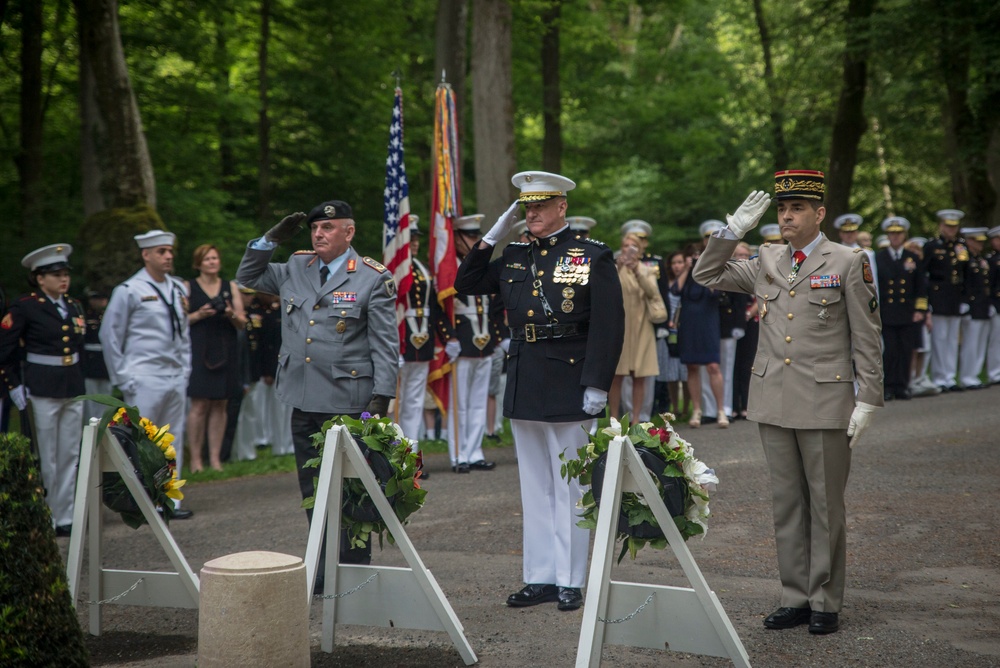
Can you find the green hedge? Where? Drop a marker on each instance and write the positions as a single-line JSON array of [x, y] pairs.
[[38, 626]]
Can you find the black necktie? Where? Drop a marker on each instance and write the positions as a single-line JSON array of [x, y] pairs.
[[324, 274]]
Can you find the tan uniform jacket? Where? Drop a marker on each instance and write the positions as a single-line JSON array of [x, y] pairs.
[[818, 333]]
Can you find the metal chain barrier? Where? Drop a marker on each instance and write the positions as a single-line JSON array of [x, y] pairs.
[[649, 599], [350, 591], [121, 595]]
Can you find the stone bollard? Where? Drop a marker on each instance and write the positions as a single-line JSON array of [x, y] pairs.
[[253, 612]]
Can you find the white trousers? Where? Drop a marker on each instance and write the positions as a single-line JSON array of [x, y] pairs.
[[468, 403], [727, 361], [163, 400], [993, 350], [410, 402], [647, 403], [944, 349], [709, 408], [58, 430], [972, 355], [555, 549], [95, 386]]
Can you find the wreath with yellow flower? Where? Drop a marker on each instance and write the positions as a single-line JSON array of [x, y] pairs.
[[151, 450]]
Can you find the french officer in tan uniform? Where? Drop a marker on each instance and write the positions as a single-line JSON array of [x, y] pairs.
[[819, 322]]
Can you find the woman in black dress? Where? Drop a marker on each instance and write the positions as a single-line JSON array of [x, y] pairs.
[[215, 313]]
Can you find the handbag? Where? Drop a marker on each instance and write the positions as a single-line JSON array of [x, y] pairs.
[[673, 345], [656, 310]]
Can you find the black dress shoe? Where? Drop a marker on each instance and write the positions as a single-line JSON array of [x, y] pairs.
[[182, 514], [956, 388], [64, 530], [424, 475], [904, 395], [461, 468], [787, 618], [570, 598], [533, 594], [483, 465], [888, 395], [823, 622]]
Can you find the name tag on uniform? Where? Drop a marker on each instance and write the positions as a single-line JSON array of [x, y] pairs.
[[150, 298], [338, 297], [827, 281]]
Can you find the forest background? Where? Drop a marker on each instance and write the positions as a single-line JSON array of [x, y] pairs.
[[221, 116]]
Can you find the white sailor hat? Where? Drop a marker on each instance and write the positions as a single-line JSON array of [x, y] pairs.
[[881, 241], [710, 227], [414, 228], [895, 224], [848, 222], [155, 238], [520, 227], [580, 223], [770, 232], [470, 223], [977, 233], [994, 232], [540, 186], [950, 216], [918, 241], [636, 226], [48, 258]]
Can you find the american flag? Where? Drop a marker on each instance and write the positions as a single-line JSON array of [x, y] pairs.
[[396, 228]]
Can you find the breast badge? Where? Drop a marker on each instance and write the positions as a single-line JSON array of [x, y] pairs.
[[341, 327], [568, 293], [567, 306]]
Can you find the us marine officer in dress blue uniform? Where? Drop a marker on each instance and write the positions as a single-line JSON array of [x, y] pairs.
[[567, 327], [45, 329], [339, 340], [426, 327], [146, 342], [993, 342], [582, 225], [903, 306], [478, 319], [945, 261], [819, 331], [975, 328]]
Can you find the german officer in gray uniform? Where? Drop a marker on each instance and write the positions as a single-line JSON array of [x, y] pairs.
[[45, 329], [339, 340], [146, 343], [567, 327]]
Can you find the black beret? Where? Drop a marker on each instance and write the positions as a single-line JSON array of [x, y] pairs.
[[332, 210]]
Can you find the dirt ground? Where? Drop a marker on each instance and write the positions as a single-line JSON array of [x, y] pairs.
[[923, 558]]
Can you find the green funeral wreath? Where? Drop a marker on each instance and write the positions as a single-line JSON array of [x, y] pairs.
[[683, 480], [396, 467]]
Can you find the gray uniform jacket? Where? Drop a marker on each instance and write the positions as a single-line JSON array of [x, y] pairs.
[[818, 333], [144, 331], [339, 342]]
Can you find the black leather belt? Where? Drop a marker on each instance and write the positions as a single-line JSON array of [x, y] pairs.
[[531, 332]]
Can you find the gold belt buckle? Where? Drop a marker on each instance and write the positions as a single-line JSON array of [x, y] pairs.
[[67, 360], [420, 313], [529, 333]]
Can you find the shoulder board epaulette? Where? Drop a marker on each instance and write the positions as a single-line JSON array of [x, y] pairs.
[[858, 250], [595, 242], [374, 264], [518, 243], [304, 252], [766, 244]]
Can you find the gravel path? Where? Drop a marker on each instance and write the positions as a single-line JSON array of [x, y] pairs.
[[923, 557]]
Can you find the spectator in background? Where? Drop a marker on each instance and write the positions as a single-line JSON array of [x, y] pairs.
[[993, 342], [698, 334], [643, 305], [746, 346], [215, 313], [673, 373]]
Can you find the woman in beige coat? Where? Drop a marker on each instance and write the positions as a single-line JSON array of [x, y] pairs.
[[643, 305]]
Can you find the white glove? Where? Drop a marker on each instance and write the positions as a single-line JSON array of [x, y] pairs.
[[503, 226], [662, 332], [594, 400], [19, 395], [128, 387], [860, 419], [453, 349], [963, 309], [738, 333], [402, 361], [505, 345], [993, 311], [749, 213]]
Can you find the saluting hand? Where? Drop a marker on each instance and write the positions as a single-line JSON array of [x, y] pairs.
[[286, 229], [749, 213]]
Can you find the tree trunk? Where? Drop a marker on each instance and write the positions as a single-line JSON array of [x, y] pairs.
[[492, 106], [264, 212], [29, 159], [450, 51], [551, 95], [223, 65], [91, 129], [126, 171], [849, 122], [780, 149]]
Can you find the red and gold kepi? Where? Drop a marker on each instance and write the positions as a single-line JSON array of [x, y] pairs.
[[799, 184]]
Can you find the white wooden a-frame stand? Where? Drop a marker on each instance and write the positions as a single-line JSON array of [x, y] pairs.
[[100, 453], [397, 597], [676, 618]]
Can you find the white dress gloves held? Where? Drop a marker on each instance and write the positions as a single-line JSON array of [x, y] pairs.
[[453, 349], [860, 419], [503, 226], [749, 213], [19, 395], [594, 400]]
